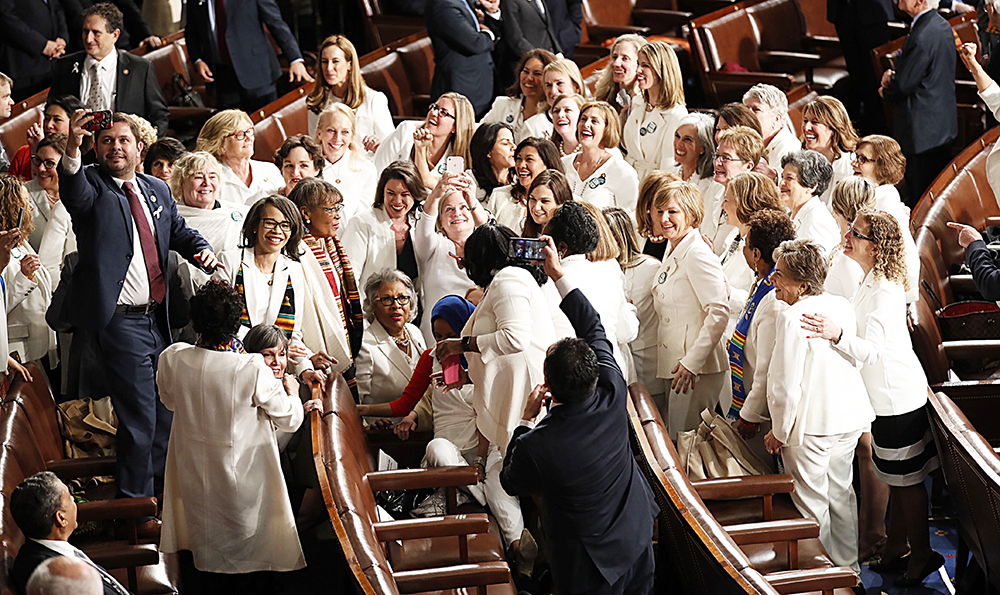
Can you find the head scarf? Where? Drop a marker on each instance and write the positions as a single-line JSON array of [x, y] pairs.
[[455, 311]]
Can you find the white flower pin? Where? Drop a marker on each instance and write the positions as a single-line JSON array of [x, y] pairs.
[[76, 68]]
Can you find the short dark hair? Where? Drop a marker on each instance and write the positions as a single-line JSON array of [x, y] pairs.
[[486, 252], [215, 312], [167, 148], [67, 103], [307, 143], [55, 141], [34, 504], [264, 336], [483, 141], [118, 118], [572, 225], [406, 172], [571, 370], [291, 213], [767, 230], [315, 192], [113, 18]]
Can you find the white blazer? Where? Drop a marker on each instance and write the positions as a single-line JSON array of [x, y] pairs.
[[505, 209], [383, 370], [40, 214], [508, 110], [355, 177], [841, 169], [648, 137], [58, 241], [370, 244], [223, 458], [27, 301], [739, 275], [439, 272], [814, 222], [371, 117], [992, 98], [399, 145], [613, 184], [892, 373], [267, 180], [811, 387], [639, 289], [323, 319], [887, 199], [714, 224], [757, 352], [691, 300], [783, 143], [512, 334], [844, 276], [538, 126]]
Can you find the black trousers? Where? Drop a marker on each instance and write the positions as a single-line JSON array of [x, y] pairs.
[[922, 168], [638, 580], [857, 40], [229, 93]]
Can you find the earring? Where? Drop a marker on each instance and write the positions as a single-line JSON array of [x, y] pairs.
[[308, 221]]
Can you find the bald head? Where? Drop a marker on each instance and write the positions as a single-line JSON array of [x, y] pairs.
[[63, 575]]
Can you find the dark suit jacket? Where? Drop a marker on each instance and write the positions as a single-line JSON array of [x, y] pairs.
[[923, 87], [102, 221], [526, 28], [133, 33], [984, 270], [599, 510], [253, 58], [29, 557], [25, 27], [136, 88], [462, 59], [566, 16]]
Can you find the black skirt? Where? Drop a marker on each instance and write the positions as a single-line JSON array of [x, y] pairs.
[[903, 448]]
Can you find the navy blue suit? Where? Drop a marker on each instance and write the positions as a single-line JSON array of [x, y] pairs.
[[463, 61], [129, 344], [599, 510], [30, 557], [25, 27], [566, 16]]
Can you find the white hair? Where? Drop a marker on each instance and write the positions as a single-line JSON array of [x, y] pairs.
[[63, 575], [933, 4], [770, 96]]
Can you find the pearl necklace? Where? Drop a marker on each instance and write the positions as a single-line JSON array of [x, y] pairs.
[[657, 239], [404, 342]]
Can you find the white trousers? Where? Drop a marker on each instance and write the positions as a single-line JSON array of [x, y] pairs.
[[823, 470], [505, 508]]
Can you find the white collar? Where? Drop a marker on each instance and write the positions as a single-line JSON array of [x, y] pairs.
[[108, 62], [63, 547]]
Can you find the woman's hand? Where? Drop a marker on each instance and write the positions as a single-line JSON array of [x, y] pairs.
[[683, 380], [371, 143], [14, 367], [480, 465], [405, 426], [312, 405], [772, 444], [296, 352], [383, 423], [422, 140], [447, 348], [35, 134], [291, 385], [746, 429], [322, 361], [313, 378], [438, 379], [821, 327], [29, 264], [967, 52]]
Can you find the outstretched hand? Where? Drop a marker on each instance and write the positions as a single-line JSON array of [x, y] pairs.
[[966, 233]]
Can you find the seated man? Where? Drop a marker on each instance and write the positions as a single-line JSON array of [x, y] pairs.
[[45, 512], [63, 575]]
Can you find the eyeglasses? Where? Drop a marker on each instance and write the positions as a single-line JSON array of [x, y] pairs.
[[337, 208], [862, 159], [388, 300], [272, 224], [725, 158], [857, 234], [241, 135], [48, 163], [441, 111]]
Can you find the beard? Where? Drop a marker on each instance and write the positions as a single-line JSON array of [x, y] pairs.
[[120, 171]]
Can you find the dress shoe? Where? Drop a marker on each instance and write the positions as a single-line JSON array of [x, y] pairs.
[[882, 565], [933, 563]]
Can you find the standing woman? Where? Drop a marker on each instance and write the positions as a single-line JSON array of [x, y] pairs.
[[340, 81], [650, 229], [446, 131], [656, 112], [43, 189], [850, 197], [770, 105], [561, 77], [565, 114], [525, 99], [694, 144], [737, 151], [904, 451], [508, 204], [492, 152], [691, 299], [547, 193], [617, 83], [380, 237], [827, 129], [228, 136], [298, 158], [346, 166], [805, 178], [598, 173], [817, 400]]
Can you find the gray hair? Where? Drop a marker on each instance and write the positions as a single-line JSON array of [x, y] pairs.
[[705, 125], [814, 169], [933, 4], [375, 283], [770, 96], [805, 262], [34, 504], [264, 336], [63, 575]]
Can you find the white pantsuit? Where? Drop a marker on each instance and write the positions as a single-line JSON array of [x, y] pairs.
[[370, 244], [439, 272], [509, 110], [27, 301], [783, 143], [355, 177], [648, 136], [614, 184], [813, 221], [505, 209], [383, 370]]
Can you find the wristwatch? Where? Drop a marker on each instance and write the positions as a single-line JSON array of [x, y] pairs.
[[466, 343]]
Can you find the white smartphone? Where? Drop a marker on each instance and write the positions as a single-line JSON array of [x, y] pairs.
[[455, 165]]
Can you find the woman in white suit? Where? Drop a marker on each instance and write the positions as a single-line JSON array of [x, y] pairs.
[[904, 450], [770, 105], [817, 400], [827, 129], [381, 237], [652, 119], [737, 151], [523, 106], [850, 197], [229, 137], [691, 299], [805, 176], [989, 91], [43, 189], [598, 173], [347, 167]]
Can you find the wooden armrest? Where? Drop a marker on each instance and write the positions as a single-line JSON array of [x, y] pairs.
[[729, 488], [813, 579], [769, 531], [971, 388], [659, 20], [116, 555], [993, 221], [89, 467], [415, 479], [452, 577], [442, 526], [785, 55], [971, 349], [824, 40], [704, 6], [599, 33], [117, 509], [783, 82]]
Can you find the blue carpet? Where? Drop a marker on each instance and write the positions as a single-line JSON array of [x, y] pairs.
[[944, 540]]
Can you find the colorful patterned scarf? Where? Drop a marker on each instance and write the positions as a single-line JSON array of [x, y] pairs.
[[286, 314], [332, 258], [738, 342], [233, 344]]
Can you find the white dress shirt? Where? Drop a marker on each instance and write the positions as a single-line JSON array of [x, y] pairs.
[[107, 75], [67, 549], [814, 222], [613, 184]]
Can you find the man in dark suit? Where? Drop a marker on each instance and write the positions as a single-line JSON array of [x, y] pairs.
[[863, 25], [566, 16], [135, 34], [463, 62], [126, 224], [227, 43], [523, 26], [32, 33], [105, 78], [923, 89], [599, 510], [45, 512]]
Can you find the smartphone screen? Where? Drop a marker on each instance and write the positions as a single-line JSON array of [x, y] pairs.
[[527, 250], [20, 219], [450, 368], [102, 121]]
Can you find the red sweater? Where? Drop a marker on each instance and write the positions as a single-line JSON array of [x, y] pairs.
[[419, 382]]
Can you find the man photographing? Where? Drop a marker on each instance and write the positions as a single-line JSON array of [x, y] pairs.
[[599, 510]]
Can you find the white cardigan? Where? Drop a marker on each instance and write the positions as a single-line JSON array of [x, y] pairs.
[[654, 149], [613, 184], [691, 300], [224, 493], [811, 387], [27, 301], [355, 177], [383, 370], [439, 272], [322, 321], [814, 222], [892, 373], [267, 180], [371, 117]]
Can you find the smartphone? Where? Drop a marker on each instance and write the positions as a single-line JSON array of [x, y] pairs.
[[624, 98], [102, 121], [527, 250], [450, 367], [20, 219], [455, 165]]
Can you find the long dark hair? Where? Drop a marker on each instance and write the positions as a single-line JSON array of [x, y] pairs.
[[486, 253], [482, 143], [549, 155]]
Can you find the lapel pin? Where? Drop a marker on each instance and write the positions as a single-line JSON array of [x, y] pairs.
[[152, 197], [156, 213], [76, 68], [125, 71]]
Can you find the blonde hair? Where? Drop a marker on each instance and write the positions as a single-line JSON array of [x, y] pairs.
[[805, 262], [830, 112], [607, 89], [187, 166], [354, 149], [851, 196], [648, 189], [623, 229], [322, 93], [213, 134], [580, 100], [688, 199], [147, 134], [465, 125], [14, 197], [612, 124], [571, 70], [753, 192], [745, 141], [890, 261], [607, 247], [663, 61]]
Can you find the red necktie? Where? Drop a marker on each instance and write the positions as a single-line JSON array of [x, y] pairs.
[[157, 288], [220, 30]]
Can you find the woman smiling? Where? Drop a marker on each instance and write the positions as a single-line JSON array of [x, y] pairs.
[[346, 166], [525, 98], [598, 173]]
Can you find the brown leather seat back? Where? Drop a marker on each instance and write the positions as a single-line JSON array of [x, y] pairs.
[[388, 75], [294, 117], [608, 12], [926, 339], [268, 137], [17, 436], [798, 98], [39, 408], [933, 270], [418, 59], [14, 131], [592, 73], [167, 61], [814, 13], [779, 24], [730, 39]]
